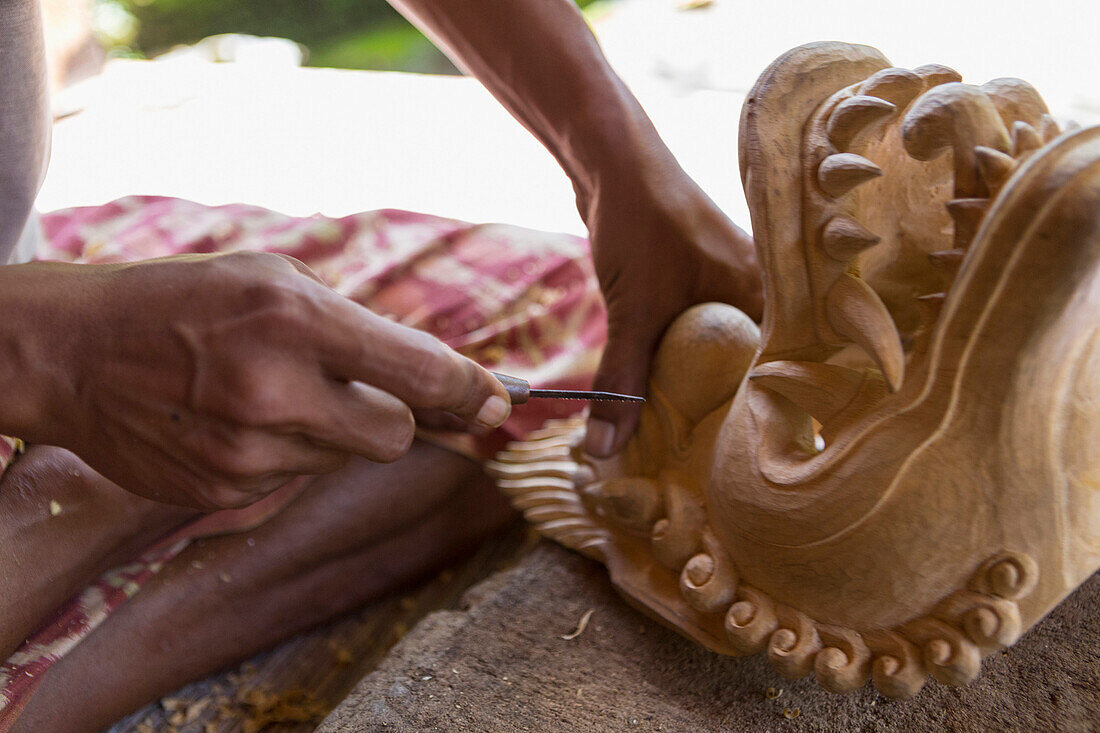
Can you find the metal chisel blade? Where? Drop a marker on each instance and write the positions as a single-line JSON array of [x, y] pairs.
[[578, 394]]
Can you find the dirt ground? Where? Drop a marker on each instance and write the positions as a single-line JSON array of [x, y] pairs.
[[502, 664]]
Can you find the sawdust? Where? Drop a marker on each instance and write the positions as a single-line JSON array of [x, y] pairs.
[[581, 626]]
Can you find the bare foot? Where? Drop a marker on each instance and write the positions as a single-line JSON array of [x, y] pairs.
[[61, 526], [353, 536]]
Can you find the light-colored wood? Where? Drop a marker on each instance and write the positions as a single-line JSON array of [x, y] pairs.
[[899, 473]]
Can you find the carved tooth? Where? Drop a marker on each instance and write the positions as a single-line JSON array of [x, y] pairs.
[[1025, 139], [841, 172], [931, 305], [856, 313], [843, 238], [898, 86], [967, 215], [1048, 128], [1015, 99], [822, 390], [948, 261], [854, 115], [936, 74], [994, 166]]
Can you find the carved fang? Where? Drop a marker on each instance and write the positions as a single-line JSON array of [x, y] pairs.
[[956, 117], [948, 261], [994, 166], [843, 238], [1025, 139], [967, 215], [840, 173], [856, 313], [822, 390], [1048, 128], [931, 305], [936, 74], [853, 116], [897, 86]]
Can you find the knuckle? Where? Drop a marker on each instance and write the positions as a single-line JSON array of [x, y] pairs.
[[259, 398]]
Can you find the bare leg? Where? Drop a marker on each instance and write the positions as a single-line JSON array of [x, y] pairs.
[[61, 526], [354, 536]]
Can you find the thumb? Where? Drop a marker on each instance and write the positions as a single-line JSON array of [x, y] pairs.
[[624, 368]]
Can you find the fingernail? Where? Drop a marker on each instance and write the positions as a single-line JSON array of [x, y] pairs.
[[599, 441], [494, 412]]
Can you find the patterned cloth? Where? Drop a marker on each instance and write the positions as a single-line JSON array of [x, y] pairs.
[[517, 301]]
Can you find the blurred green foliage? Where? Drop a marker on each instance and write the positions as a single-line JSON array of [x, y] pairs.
[[353, 34]]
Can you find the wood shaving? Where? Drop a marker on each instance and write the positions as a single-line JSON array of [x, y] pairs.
[[581, 626], [771, 693], [790, 713]]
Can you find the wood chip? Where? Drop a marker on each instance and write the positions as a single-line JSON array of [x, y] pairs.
[[581, 626]]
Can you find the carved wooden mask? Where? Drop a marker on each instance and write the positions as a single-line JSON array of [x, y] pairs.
[[899, 472]]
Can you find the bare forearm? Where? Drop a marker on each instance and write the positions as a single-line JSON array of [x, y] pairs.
[[540, 60], [24, 121]]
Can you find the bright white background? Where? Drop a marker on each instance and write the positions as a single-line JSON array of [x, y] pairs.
[[307, 140]]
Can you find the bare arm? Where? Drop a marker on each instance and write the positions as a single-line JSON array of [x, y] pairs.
[[24, 116], [539, 59], [659, 244]]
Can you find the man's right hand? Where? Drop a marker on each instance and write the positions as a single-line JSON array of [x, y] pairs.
[[211, 380]]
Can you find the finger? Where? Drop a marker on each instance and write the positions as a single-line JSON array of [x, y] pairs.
[[360, 418], [413, 366], [242, 455], [445, 421], [624, 368]]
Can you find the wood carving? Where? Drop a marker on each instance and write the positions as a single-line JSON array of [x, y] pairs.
[[899, 472]]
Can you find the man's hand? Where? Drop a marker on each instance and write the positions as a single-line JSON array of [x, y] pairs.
[[210, 381], [660, 246]]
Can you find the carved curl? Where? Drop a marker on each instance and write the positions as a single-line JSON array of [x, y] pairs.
[[677, 537], [1009, 575], [949, 655], [750, 621], [632, 502], [709, 580], [989, 621], [898, 669], [794, 644], [845, 662]]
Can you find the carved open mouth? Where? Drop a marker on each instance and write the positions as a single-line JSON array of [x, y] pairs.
[[895, 174]]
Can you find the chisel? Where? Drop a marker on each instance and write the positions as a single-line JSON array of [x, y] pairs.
[[519, 390]]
